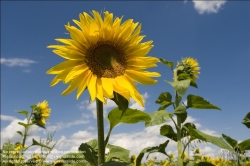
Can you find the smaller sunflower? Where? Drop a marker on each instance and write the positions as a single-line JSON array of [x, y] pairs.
[[189, 66], [41, 113]]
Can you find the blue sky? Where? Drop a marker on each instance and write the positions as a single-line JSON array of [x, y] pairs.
[[216, 33]]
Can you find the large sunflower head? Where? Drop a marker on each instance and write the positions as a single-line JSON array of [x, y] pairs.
[[41, 113], [104, 56], [189, 66]]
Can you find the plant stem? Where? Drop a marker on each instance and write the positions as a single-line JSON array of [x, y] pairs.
[[178, 129], [26, 129], [100, 126]]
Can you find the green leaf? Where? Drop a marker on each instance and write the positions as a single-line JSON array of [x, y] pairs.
[[89, 154], [198, 102], [73, 157], [117, 152], [25, 112], [196, 134], [167, 130], [131, 116], [94, 144], [158, 117], [185, 129], [180, 86], [244, 145], [120, 101], [112, 163], [161, 149], [168, 63], [180, 111], [19, 132], [23, 124], [246, 120], [34, 142], [164, 99], [230, 140]]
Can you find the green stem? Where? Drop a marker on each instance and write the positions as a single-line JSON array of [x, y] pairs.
[[100, 126], [178, 129], [107, 138], [26, 129]]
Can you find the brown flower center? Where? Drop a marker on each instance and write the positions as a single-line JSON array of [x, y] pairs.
[[106, 60]]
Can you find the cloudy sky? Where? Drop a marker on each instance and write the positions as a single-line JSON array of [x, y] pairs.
[[217, 33]]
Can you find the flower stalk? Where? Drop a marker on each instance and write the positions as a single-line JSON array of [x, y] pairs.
[[100, 126]]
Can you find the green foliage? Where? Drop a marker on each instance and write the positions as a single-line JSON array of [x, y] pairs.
[[180, 86], [230, 141], [168, 63], [185, 76], [89, 153], [130, 116], [244, 145], [158, 117], [20, 133], [120, 101], [117, 152], [196, 134], [180, 111], [165, 100], [161, 149], [246, 120], [34, 142], [198, 102], [167, 130], [25, 112]]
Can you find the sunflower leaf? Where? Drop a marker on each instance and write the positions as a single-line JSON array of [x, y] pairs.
[[158, 117], [168, 63], [34, 142], [198, 102], [89, 153], [180, 111], [164, 99], [167, 130], [180, 86], [246, 120], [160, 149], [244, 145], [120, 101], [230, 140], [117, 152], [25, 112]]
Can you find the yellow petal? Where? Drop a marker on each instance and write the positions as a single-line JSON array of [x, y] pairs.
[[84, 83], [140, 77], [107, 87], [73, 85], [63, 66], [99, 90], [92, 87], [60, 77], [76, 71]]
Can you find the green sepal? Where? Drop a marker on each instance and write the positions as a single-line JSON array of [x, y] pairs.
[[19, 132], [168, 63], [230, 141], [185, 76], [24, 112], [196, 134], [244, 145], [198, 102], [180, 111], [34, 142], [89, 154], [180, 86], [33, 107], [161, 149], [117, 152], [158, 117], [167, 130], [120, 101], [130, 116], [246, 120], [165, 100]]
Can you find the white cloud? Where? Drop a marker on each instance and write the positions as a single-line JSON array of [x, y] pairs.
[[7, 118], [9, 132], [11, 62], [208, 6], [135, 105]]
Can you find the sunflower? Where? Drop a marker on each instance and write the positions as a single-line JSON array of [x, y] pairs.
[[104, 56], [41, 113], [190, 67]]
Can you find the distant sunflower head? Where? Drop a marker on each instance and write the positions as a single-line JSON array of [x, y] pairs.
[[104, 56], [189, 66], [41, 113]]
